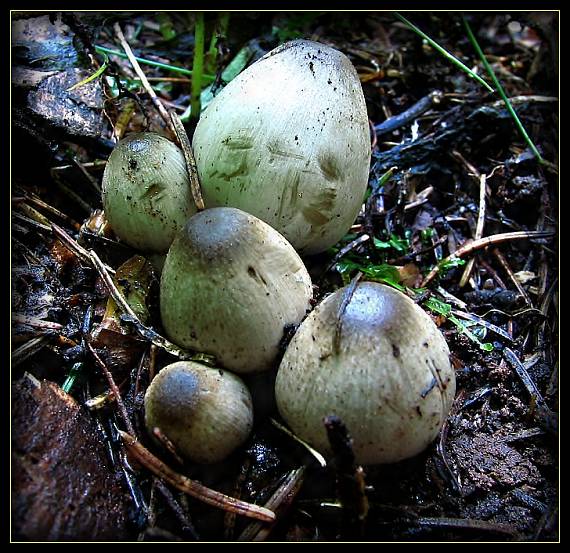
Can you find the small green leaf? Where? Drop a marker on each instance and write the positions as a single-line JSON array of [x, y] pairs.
[[451, 263], [381, 245], [166, 27], [438, 306]]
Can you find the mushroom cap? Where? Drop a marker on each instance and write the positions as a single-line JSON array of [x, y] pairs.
[[229, 286], [288, 141], [382, 366], [206, 413], [146, 192]]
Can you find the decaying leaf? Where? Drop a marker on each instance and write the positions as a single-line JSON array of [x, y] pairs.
[[63, 486]]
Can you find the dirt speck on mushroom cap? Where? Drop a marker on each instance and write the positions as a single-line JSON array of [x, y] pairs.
[[390, 380]]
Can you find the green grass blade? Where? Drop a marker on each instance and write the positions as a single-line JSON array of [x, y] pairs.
[[501, 91], [444, 52], [167, 67], [92, 77], [197, 65]]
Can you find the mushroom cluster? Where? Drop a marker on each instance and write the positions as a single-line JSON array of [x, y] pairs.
[[281, 173]]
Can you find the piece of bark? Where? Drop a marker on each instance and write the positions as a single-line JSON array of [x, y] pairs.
[[63, 484]]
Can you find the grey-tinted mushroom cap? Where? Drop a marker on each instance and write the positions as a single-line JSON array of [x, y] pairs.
[[384, 369], [206, 413], [146, 192], [288, 141], [229, 286]]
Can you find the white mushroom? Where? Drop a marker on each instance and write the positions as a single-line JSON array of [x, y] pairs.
[[146, 193], [288, 141], [206, 413], [229, 287], [376, 360]]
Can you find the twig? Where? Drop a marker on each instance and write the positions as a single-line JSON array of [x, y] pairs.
[[29, 221], [501, 258], [32, 198], [422, 198], [190, 160], [35, 322], [197, 66], [130, 315], [478, 230], [281, 499], [114, 388], [344, 250], [320, 459], [440, 447], [408, 116], [480, 321], [167, 444], [485, 242], [73, 246], [187, 526], [28, 349], [350, 483], [446, 522], [152, 63], [346, 297], [154, 98], [191, 487], [517, 100], [90, 179]]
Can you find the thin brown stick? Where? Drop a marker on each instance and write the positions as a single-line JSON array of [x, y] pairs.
[[154, 98], [145, 331], [346, 298], [35, 322], [484, 243], [72, 245], [90, 179], [216, 499], [319, 458], [343, 251], [505, 264], [282, 497], [190, 161], [114, 388], [478, 230], [32, 198]]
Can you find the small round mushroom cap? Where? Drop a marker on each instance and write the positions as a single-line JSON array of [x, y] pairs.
[[230, 285], [288, 141], [146, 192], [376, 360], [206, 413]]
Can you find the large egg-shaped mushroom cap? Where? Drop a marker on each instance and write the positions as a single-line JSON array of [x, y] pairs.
[[229, 287], [376, 360], [146, 192], [205, 412], [288, 141]]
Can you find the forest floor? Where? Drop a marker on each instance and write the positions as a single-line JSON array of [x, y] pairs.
[[460, 212]]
